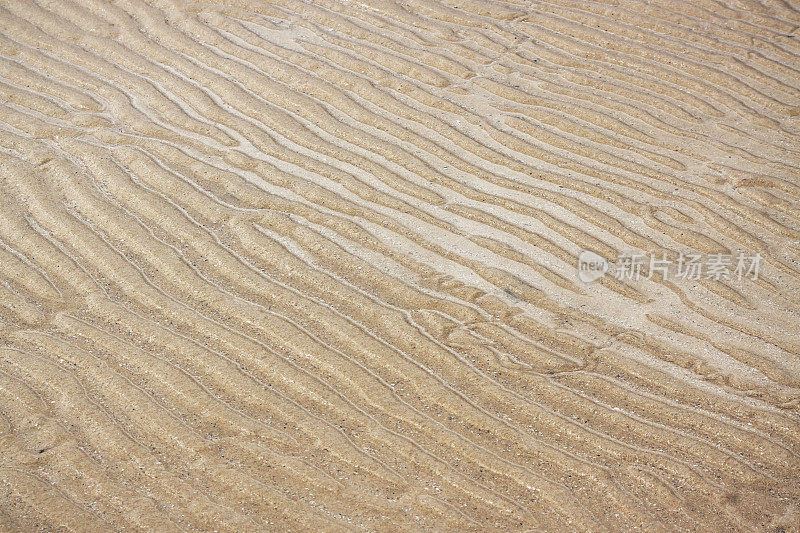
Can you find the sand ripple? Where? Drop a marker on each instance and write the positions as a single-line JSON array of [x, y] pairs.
[[312, 266]]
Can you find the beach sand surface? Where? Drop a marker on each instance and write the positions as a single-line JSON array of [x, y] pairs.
[[313, 266]]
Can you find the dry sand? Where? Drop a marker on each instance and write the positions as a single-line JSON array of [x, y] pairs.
[[284, 265]]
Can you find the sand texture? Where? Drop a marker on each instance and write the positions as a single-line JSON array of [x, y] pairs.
[[275, 265]]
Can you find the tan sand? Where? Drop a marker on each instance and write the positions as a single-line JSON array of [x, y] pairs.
[[313, 266]]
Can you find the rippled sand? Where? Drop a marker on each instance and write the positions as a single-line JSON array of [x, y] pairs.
[[276, 265]]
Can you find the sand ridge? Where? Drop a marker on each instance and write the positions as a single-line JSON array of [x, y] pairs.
[[286, 265]]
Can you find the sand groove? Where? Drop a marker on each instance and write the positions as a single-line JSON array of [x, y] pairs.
[[312, 266]]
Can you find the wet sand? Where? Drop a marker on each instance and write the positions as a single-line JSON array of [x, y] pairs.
[[297, 266]]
